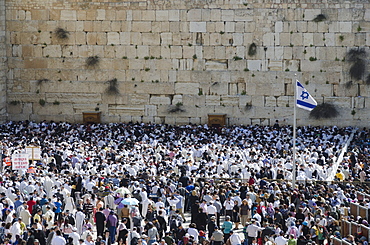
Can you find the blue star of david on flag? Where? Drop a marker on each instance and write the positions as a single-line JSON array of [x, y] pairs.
[[304, 99]]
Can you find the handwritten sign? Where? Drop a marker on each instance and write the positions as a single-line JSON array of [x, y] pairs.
[[20, 161]]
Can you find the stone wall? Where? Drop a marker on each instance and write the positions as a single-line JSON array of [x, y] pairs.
[[3, 62], [178, 61]]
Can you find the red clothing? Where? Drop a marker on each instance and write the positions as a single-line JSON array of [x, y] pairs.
[[30, 204]]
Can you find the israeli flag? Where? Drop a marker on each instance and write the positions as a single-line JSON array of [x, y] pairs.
[[304, 99]]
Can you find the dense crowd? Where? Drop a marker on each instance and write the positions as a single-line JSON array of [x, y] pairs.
[[132, 184]]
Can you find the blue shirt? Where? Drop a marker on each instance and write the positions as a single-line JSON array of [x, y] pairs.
[[227, 226]]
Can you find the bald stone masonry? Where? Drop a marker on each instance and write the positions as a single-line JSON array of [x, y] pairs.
[[229, 57]]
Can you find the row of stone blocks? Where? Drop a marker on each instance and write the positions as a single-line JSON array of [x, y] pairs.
[[264, 116], [238, 13], [214, 34]]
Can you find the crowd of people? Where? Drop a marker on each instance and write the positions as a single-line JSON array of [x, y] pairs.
[[144, 184]]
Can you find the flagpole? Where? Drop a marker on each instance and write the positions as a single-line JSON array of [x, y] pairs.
[[294, 129]]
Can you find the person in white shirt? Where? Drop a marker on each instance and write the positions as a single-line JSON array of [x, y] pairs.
[[235, 238], [75, 236], [281, 240], [58, 239]]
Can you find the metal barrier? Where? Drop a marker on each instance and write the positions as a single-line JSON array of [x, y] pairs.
[[352, 228], [358, 210]]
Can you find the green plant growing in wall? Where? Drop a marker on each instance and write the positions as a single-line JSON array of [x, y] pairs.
[[312, 58], [353, 112], [200, 91], [146, 58], [112, 87], [42, 102], [324, 111], [61, 33], [56, 102], [237, 58], [92, 61], [243, 92], [319, 18], [359, 29], [195, 57], [246, 69], [147, 69], [175, 108], [341, 38], [252, 50]]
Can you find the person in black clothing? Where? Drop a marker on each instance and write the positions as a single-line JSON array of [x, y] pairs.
[[268, 231], [162, 223], [201, 220], [31, 237], [100, 219], [211, 226], [194, 211], [180, 233]]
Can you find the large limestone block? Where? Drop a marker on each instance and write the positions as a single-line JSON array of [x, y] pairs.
[[78, 98], [308, 39], [268, 39], [218, 88], [212, 100], [243, 15], [187, 88], [238, 65], [254, 65], [284, 101], [230, 100], [160, 100], [230, 26], [275, 65], [150, 110], [296, 39], [68, 15], [344, 102], [151, 38], [176, 52], [193, 100], [35, 63], [148, 15], [227, 15], [142, 26], [139, 99], [173, 15], [270, 101], [53, 109], [198, 26], [113, 38], [100, 14], [194, 15], [177, 99], [310, 14], [216, 15], [147, 88], [138, 110], [345, 26], [201, 76], [367, 15], [216, 64]]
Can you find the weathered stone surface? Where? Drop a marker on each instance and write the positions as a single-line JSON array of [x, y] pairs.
[[184, 52]]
